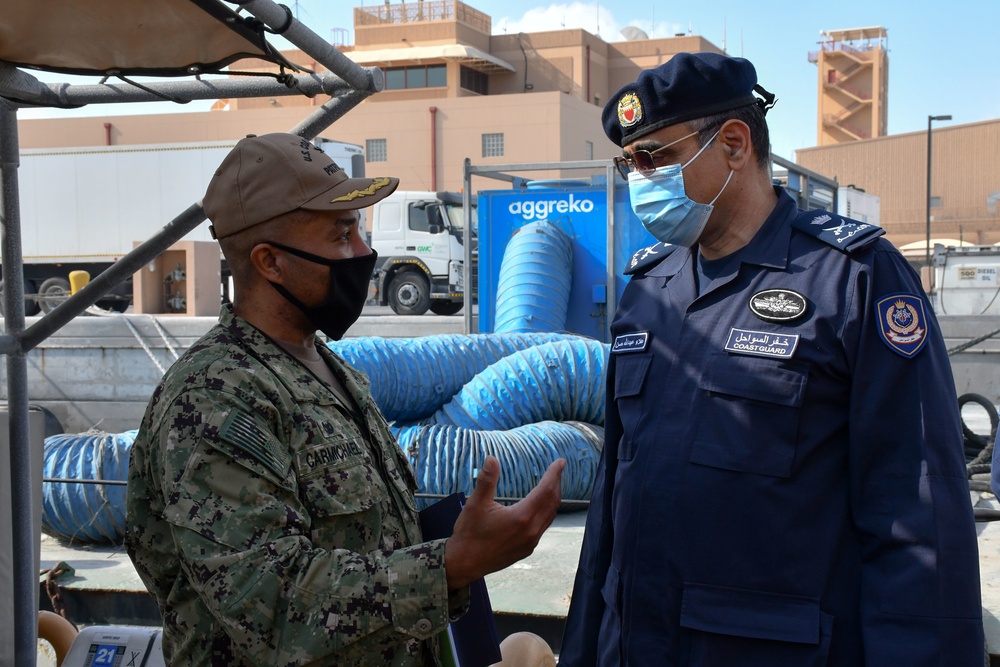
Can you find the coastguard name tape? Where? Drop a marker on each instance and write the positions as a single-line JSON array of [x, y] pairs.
[[540, 209]]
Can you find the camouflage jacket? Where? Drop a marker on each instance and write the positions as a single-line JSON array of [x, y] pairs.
[[274, 523]]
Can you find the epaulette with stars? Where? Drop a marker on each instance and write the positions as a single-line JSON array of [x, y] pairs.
[[648, 257], [843, 234]]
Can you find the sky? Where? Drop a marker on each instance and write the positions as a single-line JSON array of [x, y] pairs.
[[940, 61]]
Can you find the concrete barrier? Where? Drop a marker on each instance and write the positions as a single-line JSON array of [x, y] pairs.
[[99, 372]]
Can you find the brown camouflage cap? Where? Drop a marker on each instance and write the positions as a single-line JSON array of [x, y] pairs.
[[266, 176]]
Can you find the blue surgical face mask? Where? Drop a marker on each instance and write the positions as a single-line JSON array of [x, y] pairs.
[[661, 204]]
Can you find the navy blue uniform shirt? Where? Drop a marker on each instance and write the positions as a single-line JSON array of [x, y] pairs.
[[783, 479]]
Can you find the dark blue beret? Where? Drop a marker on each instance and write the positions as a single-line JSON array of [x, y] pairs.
[[688, 86]]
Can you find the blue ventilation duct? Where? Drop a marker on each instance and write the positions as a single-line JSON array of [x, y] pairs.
[[413, 377], [534, 283], [446, 459], [559, 381], [92, 513]]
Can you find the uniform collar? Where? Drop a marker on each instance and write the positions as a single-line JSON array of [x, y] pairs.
[[268, 350], [768, 247]]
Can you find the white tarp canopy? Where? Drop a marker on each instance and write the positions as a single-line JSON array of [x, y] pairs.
[[130, 37]]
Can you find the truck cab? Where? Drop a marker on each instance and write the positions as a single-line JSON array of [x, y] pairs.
[[419, 237]]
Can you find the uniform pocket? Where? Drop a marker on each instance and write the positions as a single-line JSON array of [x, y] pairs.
[[750, 419], [336, 477], [729, 626], [630, 377]]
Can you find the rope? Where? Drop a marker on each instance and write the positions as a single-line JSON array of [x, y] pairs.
[[974, 341], [145, 347], [100, 312]]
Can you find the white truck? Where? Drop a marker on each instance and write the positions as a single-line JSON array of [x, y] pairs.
[[419, 237], [83, 208]]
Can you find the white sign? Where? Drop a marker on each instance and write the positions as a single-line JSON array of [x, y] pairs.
[[986, 275]]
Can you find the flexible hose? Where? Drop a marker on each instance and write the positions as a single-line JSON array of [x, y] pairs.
[[558, 381], [411, 378], [86, 512], [534, 283], [446, 459]]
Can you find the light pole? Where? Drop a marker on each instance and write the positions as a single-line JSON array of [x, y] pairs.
[[930, 271]]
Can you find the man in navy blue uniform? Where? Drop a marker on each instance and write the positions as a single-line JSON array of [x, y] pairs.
[[783, 479]]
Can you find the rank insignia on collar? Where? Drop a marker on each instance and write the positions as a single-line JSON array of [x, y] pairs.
[[647, 257], [778, 305], [902, 323]]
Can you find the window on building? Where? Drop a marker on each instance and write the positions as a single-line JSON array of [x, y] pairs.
[[437, 76], [395, 78], [375, 150], [493, 145], [416, 76], [588, 150], [472, 80]]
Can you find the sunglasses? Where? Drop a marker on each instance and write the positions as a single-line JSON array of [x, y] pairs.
[[642, 161]]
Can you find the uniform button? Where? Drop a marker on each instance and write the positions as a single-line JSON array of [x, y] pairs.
[[423, 625]]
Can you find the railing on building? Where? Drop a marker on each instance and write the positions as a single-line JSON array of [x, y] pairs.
[[837, 121], [416, 12], [839, 47]]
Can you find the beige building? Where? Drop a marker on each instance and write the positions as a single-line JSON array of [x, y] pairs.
[[965, 175], [853, 84], [453, 91], [853, 148], [456, 91]]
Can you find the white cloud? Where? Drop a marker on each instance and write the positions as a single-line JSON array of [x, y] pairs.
[[590, 16]]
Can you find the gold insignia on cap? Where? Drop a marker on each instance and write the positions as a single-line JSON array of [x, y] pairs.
[[377, 184], [629, 110]]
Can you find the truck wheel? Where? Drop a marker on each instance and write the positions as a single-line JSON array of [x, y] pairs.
[[53, 292], [409, 293], [446, 307], [30, 305]]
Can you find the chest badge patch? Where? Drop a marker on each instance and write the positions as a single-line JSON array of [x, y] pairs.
[[778, 305], [762, 343], [631, 342], [902, 323]]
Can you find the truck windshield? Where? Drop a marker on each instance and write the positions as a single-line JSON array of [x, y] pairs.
[[456, 218]]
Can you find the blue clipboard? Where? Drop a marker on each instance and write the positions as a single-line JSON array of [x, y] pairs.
[[473, 636]]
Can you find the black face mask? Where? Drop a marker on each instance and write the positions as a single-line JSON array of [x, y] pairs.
[[346, 294]]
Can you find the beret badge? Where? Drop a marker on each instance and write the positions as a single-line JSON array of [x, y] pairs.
[[629, 110]]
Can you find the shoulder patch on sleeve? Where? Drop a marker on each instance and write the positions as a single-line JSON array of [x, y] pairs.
[[242, 431], [843, 234], [648, 257], [902, 323]]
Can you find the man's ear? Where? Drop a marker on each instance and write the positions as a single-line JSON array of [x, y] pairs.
[[734, 137], [266, 263]]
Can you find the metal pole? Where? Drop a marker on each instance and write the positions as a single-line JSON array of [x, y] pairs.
[[927, 250], [329, 112], [63, 95], [23, 539], [610, 291], [467, 245], [280, 19], [930, 269], [125, 267]]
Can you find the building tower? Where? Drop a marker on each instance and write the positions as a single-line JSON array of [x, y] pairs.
[[853, 84]]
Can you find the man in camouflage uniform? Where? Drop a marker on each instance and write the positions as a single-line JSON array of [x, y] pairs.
[[270, 511]]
